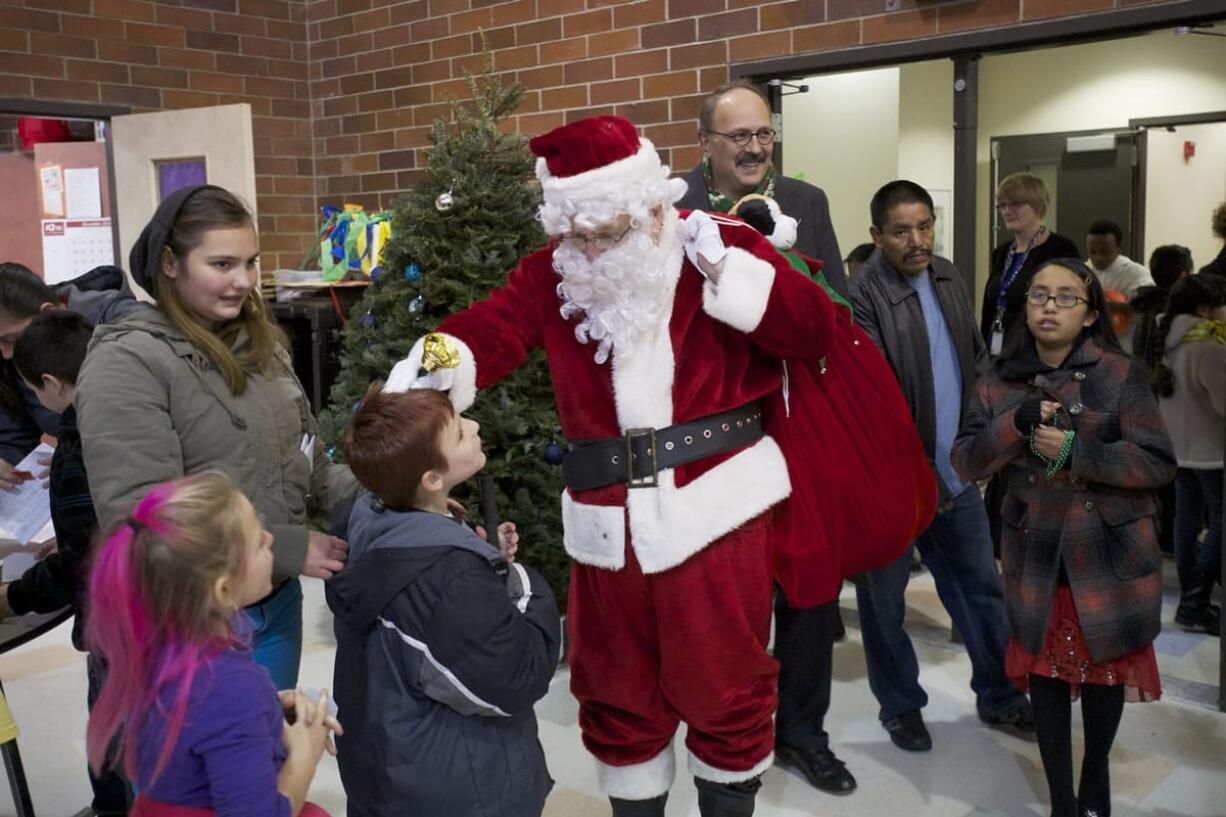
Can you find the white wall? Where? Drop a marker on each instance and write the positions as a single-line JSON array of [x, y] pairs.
[[1081, 87], [925, 130], [842, 110], [1198, 185], [1096, 85]]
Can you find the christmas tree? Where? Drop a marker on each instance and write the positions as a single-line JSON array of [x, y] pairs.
[[454, 238]]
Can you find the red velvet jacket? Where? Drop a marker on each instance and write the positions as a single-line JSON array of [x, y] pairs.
[[722, 348]]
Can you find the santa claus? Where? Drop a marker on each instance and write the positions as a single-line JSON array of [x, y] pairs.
[[664, 333]]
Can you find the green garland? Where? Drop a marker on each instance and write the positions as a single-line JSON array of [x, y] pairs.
[[1066, 448]]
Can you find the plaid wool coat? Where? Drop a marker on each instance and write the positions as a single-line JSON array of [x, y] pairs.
[[1098, 516]]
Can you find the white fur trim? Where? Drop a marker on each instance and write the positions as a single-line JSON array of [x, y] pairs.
[[464, 389], [600, 181], [460, 383], [669, 524], [639, 781], [708, 772], [594, 534], [740, 297]]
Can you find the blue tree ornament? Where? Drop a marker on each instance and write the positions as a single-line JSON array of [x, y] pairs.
[[412, 272], [553, 454], [367, 321]]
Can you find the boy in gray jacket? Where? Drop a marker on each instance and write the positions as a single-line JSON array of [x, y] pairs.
[[443, 646]]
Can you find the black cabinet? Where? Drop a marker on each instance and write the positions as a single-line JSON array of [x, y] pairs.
[[313, 327]]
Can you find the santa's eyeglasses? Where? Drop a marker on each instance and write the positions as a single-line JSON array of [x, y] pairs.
[[598, 242], [741, 138]]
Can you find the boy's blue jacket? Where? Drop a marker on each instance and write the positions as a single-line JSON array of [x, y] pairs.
[[442, 648]]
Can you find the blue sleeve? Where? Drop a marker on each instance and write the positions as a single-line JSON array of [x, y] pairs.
[[240, 749], [21, 427]]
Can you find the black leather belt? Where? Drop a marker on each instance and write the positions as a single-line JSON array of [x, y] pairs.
[[637, 457]]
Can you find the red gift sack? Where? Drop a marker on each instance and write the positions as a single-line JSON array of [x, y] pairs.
[[862, 486]]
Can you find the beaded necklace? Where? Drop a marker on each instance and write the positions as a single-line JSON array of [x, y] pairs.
[[1066, 448]]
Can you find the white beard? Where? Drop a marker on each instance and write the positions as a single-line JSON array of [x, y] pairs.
[[621, 293]]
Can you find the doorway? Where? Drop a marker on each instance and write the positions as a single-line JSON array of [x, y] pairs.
[[1090, 176]]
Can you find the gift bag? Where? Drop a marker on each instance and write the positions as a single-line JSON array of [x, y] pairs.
[[862, 487]]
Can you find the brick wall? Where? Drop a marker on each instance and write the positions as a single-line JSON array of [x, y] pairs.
[[381, 70], [183, 54], [344, 91]]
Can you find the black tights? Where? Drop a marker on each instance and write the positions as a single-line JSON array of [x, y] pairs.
[[1101, 709]]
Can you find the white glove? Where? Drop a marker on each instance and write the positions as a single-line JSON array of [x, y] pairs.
[[407, 374], [700, 237]]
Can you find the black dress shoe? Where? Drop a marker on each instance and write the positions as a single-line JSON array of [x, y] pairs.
[[908, 732], [1018, 718], [820, 767]]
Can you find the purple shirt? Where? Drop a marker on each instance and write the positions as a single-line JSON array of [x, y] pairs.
[[229, 750]]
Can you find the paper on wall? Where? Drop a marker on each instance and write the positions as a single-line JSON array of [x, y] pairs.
[[83, 190], [26, 510], [52, 180]]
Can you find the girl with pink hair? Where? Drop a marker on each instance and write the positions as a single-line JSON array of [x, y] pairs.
[[194, 722]]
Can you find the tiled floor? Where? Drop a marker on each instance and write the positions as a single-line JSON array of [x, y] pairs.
[[1170, 758]]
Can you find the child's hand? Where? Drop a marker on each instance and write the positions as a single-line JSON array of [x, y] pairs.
[[1048, 439], [1047, 410], [288, 698], [44, 474], [307, 735], [508, 540], [10, 477]]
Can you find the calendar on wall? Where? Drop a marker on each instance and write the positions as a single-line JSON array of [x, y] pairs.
[[72, 247]]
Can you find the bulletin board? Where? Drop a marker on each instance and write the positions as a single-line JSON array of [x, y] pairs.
[[73, 192]]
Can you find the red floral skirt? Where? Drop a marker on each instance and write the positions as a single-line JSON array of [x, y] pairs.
[[1067, 657]]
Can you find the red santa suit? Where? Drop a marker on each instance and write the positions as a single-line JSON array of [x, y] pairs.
[[670, 597]]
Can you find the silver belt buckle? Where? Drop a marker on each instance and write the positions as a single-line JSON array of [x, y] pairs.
[[649, 481]]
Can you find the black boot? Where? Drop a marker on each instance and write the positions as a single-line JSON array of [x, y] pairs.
[[727, 799], [1195, 613], [639, 808]]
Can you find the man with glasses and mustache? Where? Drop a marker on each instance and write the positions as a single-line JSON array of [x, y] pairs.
[[737, 139], [734, 129], [665, 335]]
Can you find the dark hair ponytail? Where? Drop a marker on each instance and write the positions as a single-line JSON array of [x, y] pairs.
[[1188, 296]]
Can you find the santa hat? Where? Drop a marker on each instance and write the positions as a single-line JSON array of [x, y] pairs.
[[601, 157]]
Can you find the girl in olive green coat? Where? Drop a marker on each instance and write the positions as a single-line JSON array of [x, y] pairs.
[[202, 381]]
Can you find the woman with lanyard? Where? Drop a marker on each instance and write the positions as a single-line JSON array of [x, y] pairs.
[[203, 382], [1021, 200]]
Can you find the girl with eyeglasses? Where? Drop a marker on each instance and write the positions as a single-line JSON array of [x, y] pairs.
[[1069, 421]]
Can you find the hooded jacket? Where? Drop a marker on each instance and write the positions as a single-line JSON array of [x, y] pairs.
[[442, 649], [152, 407], [1196, 413], [100, 296], [1147, 305]]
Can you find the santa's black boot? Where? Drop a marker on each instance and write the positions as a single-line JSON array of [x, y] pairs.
[[639, 808], [727, 799]]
